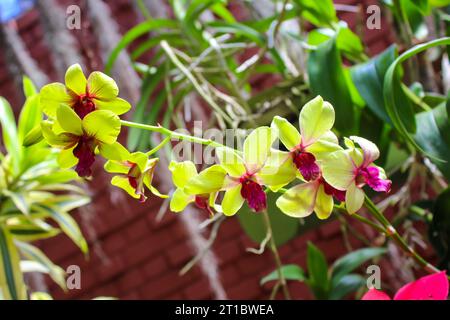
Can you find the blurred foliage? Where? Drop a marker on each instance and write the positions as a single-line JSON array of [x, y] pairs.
[[36, 196], [328, 283]]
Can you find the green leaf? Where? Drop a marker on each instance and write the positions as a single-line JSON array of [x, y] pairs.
[[368, 78], [149, 84], [290, 272], [67, 224], [433, 136], [346, 264], [29, 89], [346, 285], [9, 132], [20, 200], [11, 279], [30, 232], [319, 13], [318, 279], [403, 118], [33, 253], [135, 33], [327, 78]]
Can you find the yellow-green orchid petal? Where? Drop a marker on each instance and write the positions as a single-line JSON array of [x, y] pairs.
[[278, 171], [155, 191], [208, 181], [101, 86], [103, 125], [370, 150], [316, 118], [182, 172], [75, 79], [327, 144], [63, 140], [286, 132], [354, 198], [338, 169], [232, 201], [66, 159], [180, 200], [123, 183], [140, 159], [230, 161], [112, 166], [51, 96], [324, 204], [257, 147], [69, 120], [299, 201], [114, 151], [117, 105]]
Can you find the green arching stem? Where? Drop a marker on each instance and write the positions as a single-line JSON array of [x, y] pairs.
[[174, 135], [171, 134], [393, 233], [386, 227], [159, 146]]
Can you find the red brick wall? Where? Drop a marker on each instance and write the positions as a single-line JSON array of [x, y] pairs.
[[132, 255]]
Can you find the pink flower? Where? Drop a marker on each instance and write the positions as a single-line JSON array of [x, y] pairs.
[[432, 287]]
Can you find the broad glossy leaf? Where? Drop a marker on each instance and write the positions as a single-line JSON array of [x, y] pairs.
[[327, 78], [433, 136], [346, 285], [318, 272], [290, 272], [368, 78], [401, 114], [348, 263]]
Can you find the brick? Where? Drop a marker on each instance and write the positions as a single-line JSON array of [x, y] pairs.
[[154, 267], [136, 230], [229, 275], [131, 279], [229, 251], [249, 288], [181, 253], [330, 229], [199, 290]]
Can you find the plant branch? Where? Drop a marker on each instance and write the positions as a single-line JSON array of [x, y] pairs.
[[276, 255], [393, 233]]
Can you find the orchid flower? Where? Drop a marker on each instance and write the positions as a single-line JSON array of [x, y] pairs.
[[312, 142], [351, 169], [301, 200], [135, 171], [431, 287], [192, 187], [81, 139], [247, 174], [98, 92]]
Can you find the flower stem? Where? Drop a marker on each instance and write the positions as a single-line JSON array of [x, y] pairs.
[[171, 134], [158, 147], [392, 232], [276, 255]]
